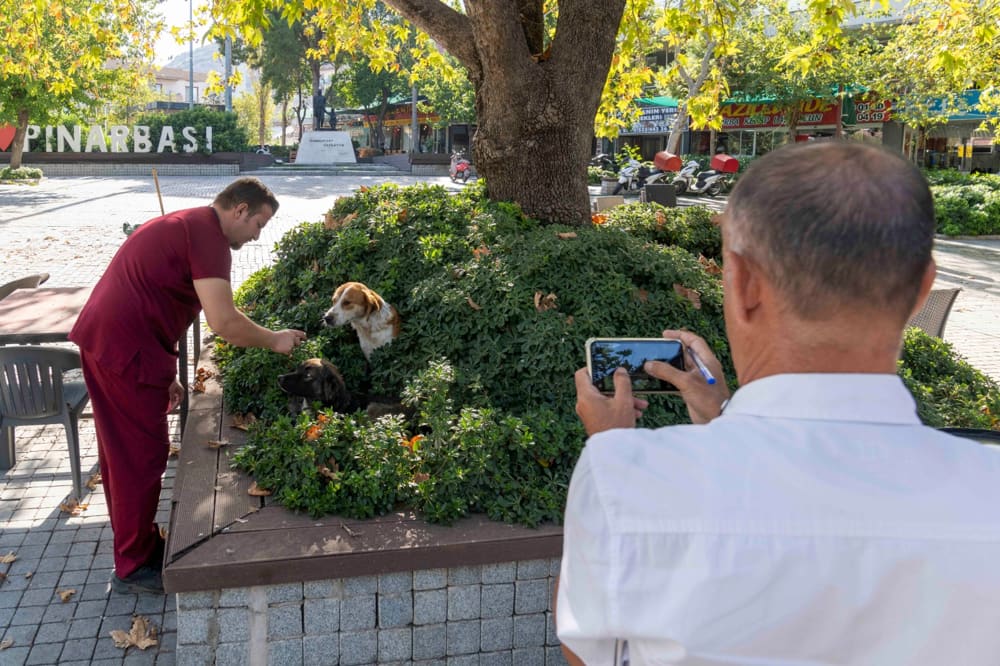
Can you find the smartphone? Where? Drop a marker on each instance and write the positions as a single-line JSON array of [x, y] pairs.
[[605, 355]]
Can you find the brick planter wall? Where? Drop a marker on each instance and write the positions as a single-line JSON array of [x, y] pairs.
[[475, 615]]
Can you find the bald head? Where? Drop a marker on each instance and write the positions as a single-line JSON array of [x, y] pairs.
[[835, 225]]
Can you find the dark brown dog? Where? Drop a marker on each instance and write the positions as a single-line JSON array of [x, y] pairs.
[[316, 380]]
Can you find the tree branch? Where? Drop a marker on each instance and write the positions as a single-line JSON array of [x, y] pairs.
[[590, 25], [444, 25], [532, 17]]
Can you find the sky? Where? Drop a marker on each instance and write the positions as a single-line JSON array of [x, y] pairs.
[[175, 13]]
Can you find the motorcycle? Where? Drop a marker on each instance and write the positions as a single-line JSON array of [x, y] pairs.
[[632, 177], [710, 182], [605, 162], [460, 168]]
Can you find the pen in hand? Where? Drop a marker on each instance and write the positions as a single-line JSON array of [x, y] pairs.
[[705, 372]]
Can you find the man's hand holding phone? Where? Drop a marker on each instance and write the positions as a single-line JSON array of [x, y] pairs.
[[704, 400], [599, 412]]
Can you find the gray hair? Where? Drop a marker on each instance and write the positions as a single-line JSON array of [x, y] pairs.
[[835, 224]]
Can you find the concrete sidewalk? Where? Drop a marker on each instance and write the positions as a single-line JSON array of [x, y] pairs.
[[70, 228]]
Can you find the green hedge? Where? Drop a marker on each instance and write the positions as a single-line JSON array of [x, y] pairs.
[[227, 135], [485, 364], [964, 204]]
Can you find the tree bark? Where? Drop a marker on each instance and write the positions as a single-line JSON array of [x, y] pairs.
[[535, 109], [677, 130], [17, 145], [793, 112]]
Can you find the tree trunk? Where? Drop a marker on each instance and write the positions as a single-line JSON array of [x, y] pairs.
[[17, 145], [262, 94], [677, 130], [535, 106], [284, 120], [793, 114]]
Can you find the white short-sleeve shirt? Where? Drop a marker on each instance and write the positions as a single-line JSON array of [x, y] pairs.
[[815, 522]]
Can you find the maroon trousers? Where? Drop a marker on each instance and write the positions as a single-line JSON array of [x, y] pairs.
[[133, 446]]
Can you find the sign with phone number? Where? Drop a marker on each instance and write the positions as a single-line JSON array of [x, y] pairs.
[[813, 112]]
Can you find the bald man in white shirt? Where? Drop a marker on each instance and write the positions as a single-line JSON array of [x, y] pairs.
[[810, 518]]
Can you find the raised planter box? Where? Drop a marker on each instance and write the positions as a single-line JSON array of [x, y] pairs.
[[256, 583]]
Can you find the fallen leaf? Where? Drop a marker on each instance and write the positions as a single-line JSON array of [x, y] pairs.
[[217, 489], [661, 219], [641, 295], [546, 302], [420, 477], [481, 251], [709, 265], [327, 472], [566, 235], [544, 462], [243, 421], [142, 634], [203, 374], [73, 507], [569, 320], [349, 531], [6, 643], [8, 558], [164, 532], [401, 216], [598, 218], [217, 443], [472, 303], [174, 450], [256, 491], [693, 296], [94, 480], [29, 575], [3, 577], [65, 594], [198, 386]]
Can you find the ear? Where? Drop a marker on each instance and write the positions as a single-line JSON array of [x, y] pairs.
[[336, 294], [373, 302], [744, 286], [926, 282]]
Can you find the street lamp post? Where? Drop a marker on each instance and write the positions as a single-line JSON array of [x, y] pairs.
[[191, 54]]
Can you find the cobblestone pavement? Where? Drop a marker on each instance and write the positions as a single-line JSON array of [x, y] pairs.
[[70, 228]]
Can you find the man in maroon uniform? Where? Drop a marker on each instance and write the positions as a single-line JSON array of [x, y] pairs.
[[168, 269]]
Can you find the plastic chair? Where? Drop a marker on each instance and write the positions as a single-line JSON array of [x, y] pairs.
[[33, 392], [932, 317], [30, 282]]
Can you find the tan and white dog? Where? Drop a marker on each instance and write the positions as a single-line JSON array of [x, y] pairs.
[[375, 321]]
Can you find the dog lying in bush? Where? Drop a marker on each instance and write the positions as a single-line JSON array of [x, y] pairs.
[[318, 380]]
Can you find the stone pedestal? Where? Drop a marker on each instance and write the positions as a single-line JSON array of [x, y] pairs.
[[325, 147]]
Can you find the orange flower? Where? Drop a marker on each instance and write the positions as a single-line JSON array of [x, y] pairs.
[[411, 442], [598, 218], [323, 418], [313, 433]]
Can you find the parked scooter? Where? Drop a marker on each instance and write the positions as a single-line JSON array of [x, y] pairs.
[[460, 168], [605, 162], [632, 177], [710, 182]]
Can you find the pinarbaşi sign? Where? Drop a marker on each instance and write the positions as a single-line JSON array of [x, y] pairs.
[[61, 139]]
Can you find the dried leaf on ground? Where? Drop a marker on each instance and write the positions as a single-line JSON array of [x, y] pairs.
[[94, 480], [65, 594], [8, 558], [73, 507], [217, 443], [709, 265], [202, 374], [472, 303], [3, 577], [174, 450], [420, 477], [693, 296], [29, 575], [198, 386], [257, 491], [243, 421], [142, 634], [641, 295], [6, 643], [566, 235], [546, 302], [163, 533]]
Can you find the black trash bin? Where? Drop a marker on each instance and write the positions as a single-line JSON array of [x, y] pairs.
[[661, 193]]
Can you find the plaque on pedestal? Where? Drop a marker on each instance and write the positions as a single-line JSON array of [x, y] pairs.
[[325, 147]]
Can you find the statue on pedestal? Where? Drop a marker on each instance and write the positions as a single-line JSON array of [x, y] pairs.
[[319, 110]]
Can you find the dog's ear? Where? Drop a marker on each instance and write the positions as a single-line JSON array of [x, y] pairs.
[[334, 388], [373, 302]]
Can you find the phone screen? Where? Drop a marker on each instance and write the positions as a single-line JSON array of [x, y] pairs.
[[605, 355]]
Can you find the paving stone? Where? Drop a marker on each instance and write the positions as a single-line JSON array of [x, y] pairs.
[[47, 564], [233, 597], [195, 655], [52, 632], [529, 656], [358, 647], [531, 569], [84, 627], [21, 634], [286, 653], [497, 600], [321, 650], [90, 609], [495, 659], [550, 629], [321, 616], [554, 566], [232, 654], [531, 596], [430, 579], [323, 589], [15, 656], [430, 606], [40, 597], [502, 572], [150, 604], [284, 621], [234, 625], [464, 576], [196, 600], [277, 594], [464, 660], [395, 610], [463, 637], [430, 642], [554, 657], [395, 583], [28, 615], [496, 634], [7, 614], [194, 626], [121, 604], [357, 613], [529, 630], [139, 658], [72, 579], [360, 586], [395, 645], [463, 602], [45, 653]]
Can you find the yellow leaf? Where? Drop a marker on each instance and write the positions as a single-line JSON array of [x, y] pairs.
[[65, 594], [8, 558], [142, 634]]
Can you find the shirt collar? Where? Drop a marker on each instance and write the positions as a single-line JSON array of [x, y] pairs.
[[867, 398]]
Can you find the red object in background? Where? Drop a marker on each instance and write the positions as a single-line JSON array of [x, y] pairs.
[[665, 161], [725, 163], [802, 138]]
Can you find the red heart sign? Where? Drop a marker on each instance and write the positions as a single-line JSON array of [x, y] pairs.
[[6, 136]]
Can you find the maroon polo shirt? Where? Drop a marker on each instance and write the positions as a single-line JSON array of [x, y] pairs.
[[146, 299]]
